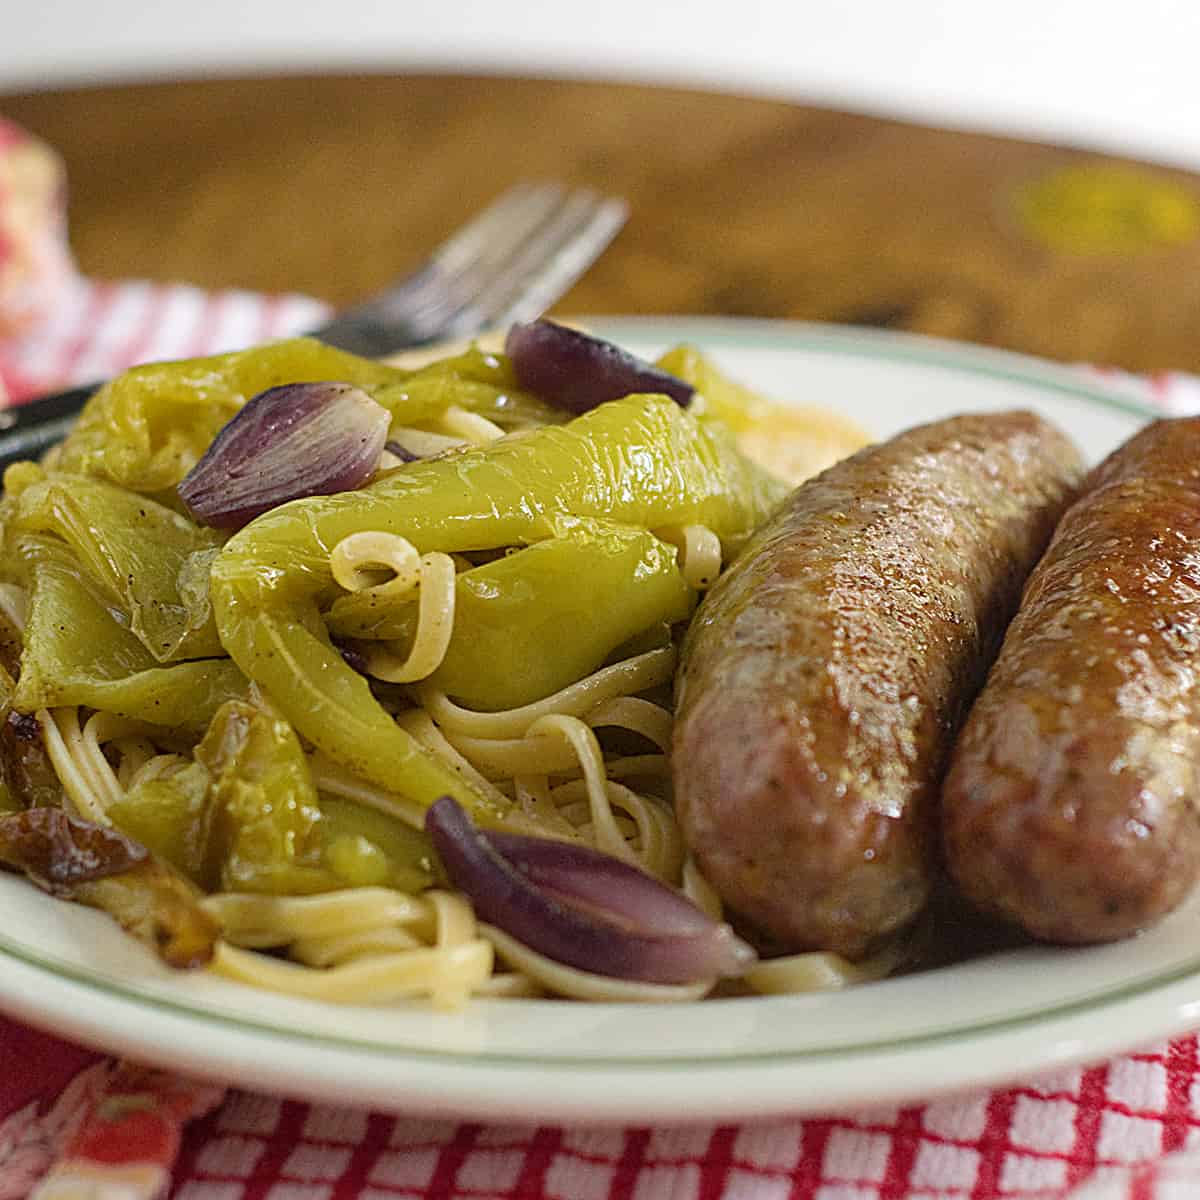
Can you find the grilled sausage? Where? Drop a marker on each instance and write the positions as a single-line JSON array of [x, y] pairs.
[[825, 673], [1071, 803]]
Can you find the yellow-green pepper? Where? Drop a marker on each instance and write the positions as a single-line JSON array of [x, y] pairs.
[[641, 461], [605, 583], [148, 427], [78, 650], [152, 562]]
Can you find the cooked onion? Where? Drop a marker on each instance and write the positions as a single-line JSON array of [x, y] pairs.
[[301, 439], [57, 851], [583, 908], [576, 371]]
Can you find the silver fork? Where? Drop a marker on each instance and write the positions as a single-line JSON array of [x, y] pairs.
[[509, 263]]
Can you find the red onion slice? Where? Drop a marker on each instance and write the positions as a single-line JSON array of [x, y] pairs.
[[576, 372], [601, 883], [582, 908], [300, 439]]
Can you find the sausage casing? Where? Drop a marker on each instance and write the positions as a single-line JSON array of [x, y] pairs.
[[1071, 803], [825, 673]]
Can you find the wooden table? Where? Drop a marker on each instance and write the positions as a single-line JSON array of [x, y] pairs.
[[331, 185]]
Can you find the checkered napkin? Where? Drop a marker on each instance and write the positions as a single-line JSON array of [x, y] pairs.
[[76, 1125]]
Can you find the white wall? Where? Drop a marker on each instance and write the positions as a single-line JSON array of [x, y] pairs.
[[1110, 74]]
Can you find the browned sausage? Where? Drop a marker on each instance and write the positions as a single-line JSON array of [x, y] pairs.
[[825, 673], [1071, 805]]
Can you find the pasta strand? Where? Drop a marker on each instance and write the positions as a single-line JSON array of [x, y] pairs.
[[438, 973], [638, 674], [435, 625]]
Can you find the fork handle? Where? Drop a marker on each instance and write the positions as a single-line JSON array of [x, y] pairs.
[[30, 430]]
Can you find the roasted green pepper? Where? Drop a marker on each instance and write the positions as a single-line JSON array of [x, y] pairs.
[[263, 833], [641, 461], [152, 562], [243, 816], [606, 583], [147, 428], [473, 380], [79, 650]]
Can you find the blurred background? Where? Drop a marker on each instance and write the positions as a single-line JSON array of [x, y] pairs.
[[1094, 72], [1018, 174]]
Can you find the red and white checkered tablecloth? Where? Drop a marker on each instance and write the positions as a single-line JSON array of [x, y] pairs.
[[75, 1125]]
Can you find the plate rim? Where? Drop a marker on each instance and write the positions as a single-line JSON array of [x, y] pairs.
[[456, 1087], [993, 362], [168, 1005]]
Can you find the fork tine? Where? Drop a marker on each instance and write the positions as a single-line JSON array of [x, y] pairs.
[[419, 307], [478, 251], [518, 209], [542, 269]]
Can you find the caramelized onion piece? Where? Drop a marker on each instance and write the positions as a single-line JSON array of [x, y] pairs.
[[583, 908], [299, 439], [25, 767], [575, 371], [77, 860], [58, 851]]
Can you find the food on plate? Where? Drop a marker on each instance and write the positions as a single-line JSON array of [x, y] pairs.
[[576, 372], [824, 675], [263, 615], [1071, 802], [572, 908], [97, 865], [297, 439], [792, 441]]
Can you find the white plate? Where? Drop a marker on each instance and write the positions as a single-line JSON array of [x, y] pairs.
[[70, 970]]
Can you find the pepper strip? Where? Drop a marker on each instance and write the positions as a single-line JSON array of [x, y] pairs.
[[642, 461]]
